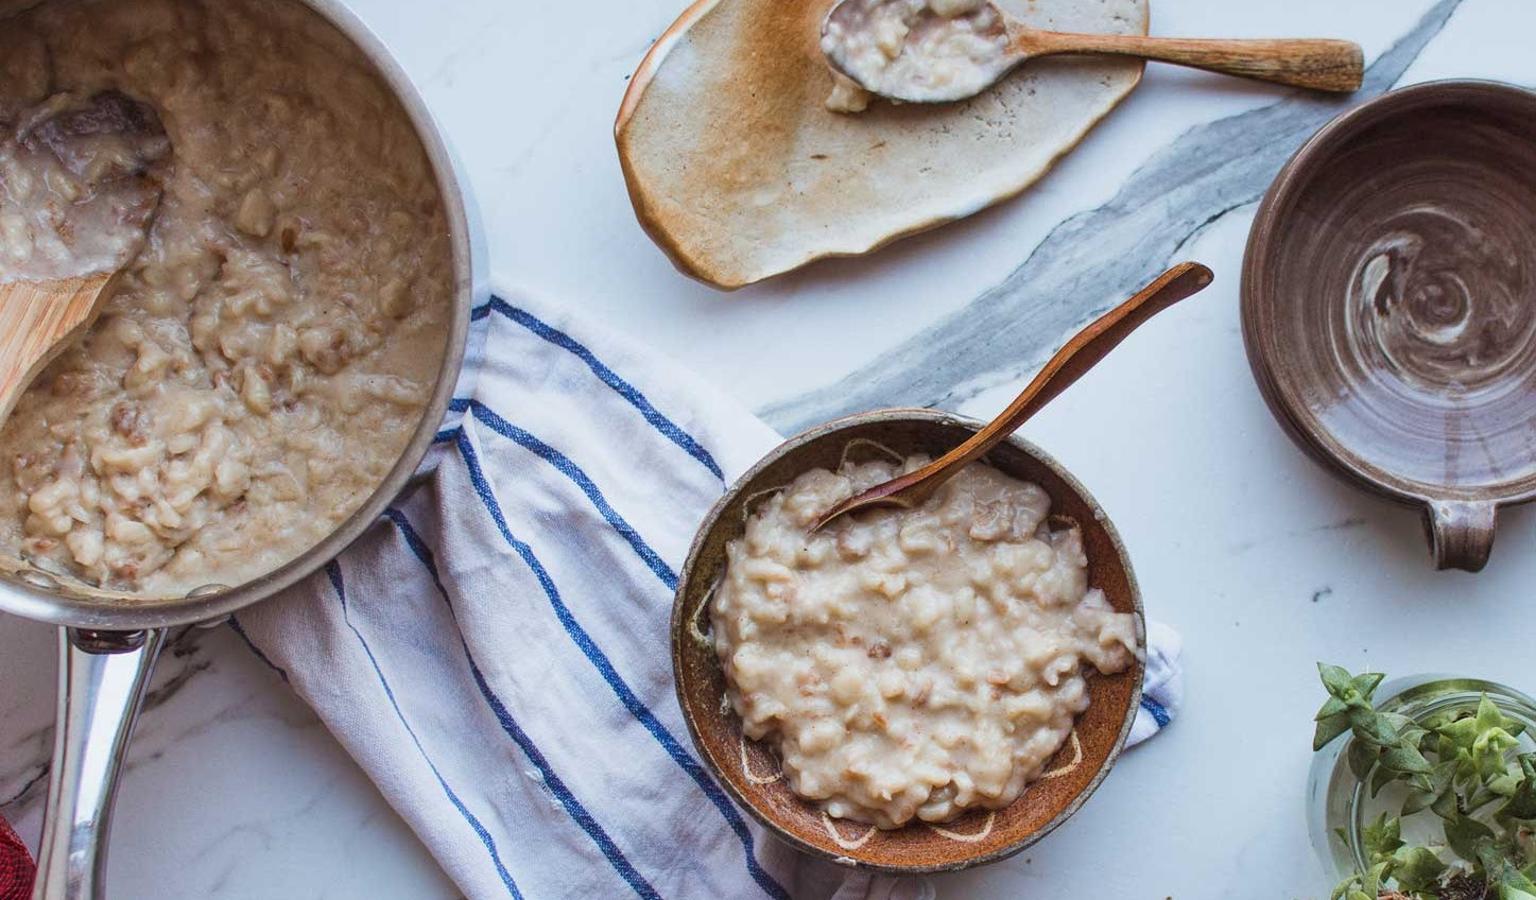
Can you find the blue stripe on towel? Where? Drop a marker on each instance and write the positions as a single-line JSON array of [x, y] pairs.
[[1156, 710], [333, 569], [563, 464], [623, 388], [234, 625], [509, 725], [604, 666], [422, 552]]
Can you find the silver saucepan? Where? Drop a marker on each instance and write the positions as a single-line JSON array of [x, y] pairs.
[[107, 648]]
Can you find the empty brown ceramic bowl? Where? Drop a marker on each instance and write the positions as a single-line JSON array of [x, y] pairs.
[[750, 771], [1389, 303]]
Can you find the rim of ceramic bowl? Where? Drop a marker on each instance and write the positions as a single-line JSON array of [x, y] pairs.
[[688, 575], [1313, 438], [38, 595]]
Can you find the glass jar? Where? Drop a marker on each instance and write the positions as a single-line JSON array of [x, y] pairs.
[[1340, 805]]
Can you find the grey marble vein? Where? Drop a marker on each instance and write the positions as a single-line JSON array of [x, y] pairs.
[[1098, 257], [26, 773], [25, 794], [1349, 523], [182, 660]]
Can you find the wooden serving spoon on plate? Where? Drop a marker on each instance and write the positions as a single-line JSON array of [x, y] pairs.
[[1320, 64], [1069, 364]]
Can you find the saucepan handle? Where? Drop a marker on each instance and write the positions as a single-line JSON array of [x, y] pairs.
[[1460, 532], [102, 680]]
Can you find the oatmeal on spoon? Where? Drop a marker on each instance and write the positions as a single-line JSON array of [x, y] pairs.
[[937, 51]]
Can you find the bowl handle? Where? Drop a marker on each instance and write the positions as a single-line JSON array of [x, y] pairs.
[[102, 681], [1460, 532]]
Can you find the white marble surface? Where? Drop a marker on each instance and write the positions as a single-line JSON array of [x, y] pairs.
[[1263, 561]]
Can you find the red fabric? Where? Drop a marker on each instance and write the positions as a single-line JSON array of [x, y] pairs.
[[16, 868]]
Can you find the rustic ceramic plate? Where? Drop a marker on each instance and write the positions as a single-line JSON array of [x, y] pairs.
[[739, 172], [749, 771], [1387, 303]]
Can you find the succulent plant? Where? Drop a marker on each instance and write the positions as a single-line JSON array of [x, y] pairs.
[[1462, 766]]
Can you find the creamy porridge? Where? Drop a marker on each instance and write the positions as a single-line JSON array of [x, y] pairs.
[[847, 96], [79, 181], [276, 335], [916, 50], [912, 663]]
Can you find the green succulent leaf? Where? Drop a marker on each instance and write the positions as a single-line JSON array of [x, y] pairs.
[[1512, 884], [1382, 838], [1362, 758], [1413, 735], [1366, 682], [1460, 733], [1417, 869], [1466, 836], [1488, 715], [1480, 797], [1406, 758], [1522, 800], [1328, 729], [1374, 879], [1417, 802], [1332, 707], [1446, 806], [1336, 679], [1382, 777], [1505, 785], [1375, 727]]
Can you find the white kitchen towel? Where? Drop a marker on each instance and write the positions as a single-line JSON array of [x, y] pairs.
[[494, 652]]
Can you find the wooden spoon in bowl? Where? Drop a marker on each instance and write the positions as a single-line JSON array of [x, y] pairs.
[[953, 49], [1069, 364], [97, 168]]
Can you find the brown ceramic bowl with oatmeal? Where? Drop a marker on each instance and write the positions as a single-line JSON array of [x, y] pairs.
[[752, 771]]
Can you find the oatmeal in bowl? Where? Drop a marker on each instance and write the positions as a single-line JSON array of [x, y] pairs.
[[910, 690], [288, 316]]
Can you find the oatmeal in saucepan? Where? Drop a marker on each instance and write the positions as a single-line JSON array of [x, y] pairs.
[[275, 335]]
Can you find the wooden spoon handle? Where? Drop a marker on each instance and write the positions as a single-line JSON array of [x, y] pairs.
[[1324, 65], [1068, 365], [1080, 354], [37, 321]]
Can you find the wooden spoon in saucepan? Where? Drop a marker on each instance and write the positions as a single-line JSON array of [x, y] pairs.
[[967, 45], [38, 319], [1068, 365], [97, 182]]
